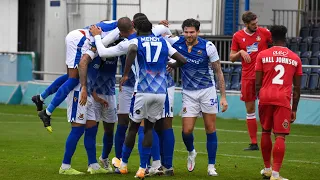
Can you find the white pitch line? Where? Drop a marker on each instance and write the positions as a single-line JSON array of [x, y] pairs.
[[59, 117], [239, 156]]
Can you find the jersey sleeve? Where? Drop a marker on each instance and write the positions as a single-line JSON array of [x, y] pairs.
[[298, 68], [118, 50], [160, 29], [234, 43], [171, 50], [171, 39], [91, 54], [133, 41], [212, 52], [111, 37], [259, 62]]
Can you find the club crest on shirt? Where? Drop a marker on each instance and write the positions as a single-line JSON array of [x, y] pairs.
[[75, 99], [258, 38], [285, 124]]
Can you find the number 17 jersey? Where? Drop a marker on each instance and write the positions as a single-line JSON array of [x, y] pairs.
[[150, 64], [279, 65]]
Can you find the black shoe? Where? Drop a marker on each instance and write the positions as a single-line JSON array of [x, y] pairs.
[[36, 100], [45, 119], [252, 147]]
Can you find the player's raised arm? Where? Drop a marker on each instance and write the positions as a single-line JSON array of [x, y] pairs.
[[111, 37], [174, 54], [161, 29]]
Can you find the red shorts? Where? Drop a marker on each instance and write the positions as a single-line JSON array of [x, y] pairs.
[[248, 90], [275, 117]]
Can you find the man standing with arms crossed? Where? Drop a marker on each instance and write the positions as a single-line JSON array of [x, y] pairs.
[[277, 69], [246, 44]]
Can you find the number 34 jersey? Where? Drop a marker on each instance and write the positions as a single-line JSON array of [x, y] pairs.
[[279, 65], [150, 64]]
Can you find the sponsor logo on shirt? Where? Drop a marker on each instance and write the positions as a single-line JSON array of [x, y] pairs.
[[280, 53], [252, 48], [195, 61]]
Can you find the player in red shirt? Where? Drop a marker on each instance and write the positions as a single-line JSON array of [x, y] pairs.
[[277, 68], [246, 44]]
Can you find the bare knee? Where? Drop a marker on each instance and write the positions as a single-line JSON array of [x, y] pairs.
[[250, 106]]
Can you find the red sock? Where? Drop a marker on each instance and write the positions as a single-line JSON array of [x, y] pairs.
[[266, 148], [252, 127], [278, 153]]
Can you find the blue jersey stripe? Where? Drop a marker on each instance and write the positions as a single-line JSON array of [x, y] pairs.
[[74, 105], [79, 52]]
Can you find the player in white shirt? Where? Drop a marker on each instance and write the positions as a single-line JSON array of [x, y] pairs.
[[199, 93]]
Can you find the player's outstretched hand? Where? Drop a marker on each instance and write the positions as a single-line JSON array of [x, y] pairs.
[[122, 81], [164, 22], [245, 56], [83, 96], [95, 30], [224, 104], [293, 116]]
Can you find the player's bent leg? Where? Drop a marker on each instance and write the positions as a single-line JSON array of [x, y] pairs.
[[187, 136], [38, 100], [76, 132], [212, 142], [252, 126], [266, 148], [62, 93], [107, 145]]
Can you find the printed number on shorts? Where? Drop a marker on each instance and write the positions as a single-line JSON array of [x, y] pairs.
[[213, 102], [148, 45], [277, 79]]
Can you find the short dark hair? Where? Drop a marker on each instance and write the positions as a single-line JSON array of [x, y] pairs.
[[191, 23], [248, 16], [278, 33], [142, 24], [138, 15], [125, 24]]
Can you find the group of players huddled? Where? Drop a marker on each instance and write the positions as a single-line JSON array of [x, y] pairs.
[[148, 54]]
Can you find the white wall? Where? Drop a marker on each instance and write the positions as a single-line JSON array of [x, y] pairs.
[[54, 42], [9, 25]]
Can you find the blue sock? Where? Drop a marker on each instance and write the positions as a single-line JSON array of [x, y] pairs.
[[119, 139], [161, 142], [62, 93], [212, 144], [188, 141], [71, 143], [126, 152], [144, 156], [140, 138], [168, 151], [53, 88], [90, 143], [107, 144], [155, 150]]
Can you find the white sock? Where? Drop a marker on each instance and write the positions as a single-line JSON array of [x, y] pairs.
[[95, 166], [48, 113], [122, 164], [156, 164], [41, 98], [65, 166], [267, 169], [192, 152], [275, 174], [210, 166]]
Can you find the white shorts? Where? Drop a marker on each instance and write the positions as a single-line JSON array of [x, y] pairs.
[[76, 45], [124, 99], [203, 100], [77, 113], [108, 114], [168, 104], [147, 106]]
